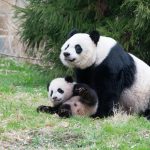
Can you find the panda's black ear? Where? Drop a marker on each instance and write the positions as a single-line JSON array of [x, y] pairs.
[[69, 79], [72, 32], [94, 35], [48, 86]]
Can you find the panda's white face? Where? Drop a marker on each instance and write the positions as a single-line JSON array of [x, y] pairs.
[[79, 51], [60, 90]]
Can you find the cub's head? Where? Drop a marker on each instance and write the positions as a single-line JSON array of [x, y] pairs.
[[60, 90], [79, 50]]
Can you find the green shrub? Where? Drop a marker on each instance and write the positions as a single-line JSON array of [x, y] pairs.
[[47, 22]]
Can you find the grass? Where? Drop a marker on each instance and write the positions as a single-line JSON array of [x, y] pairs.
[[23, 88]]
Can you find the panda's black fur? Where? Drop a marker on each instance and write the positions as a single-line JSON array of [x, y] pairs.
[[110, 78], [82, 96]]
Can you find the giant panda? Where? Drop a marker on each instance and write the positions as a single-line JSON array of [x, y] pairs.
[[70, 98], [119, 78]]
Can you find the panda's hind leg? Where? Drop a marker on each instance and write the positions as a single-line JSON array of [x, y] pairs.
[[65, 111]]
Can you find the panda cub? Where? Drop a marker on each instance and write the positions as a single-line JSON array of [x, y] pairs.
[[70, 98]]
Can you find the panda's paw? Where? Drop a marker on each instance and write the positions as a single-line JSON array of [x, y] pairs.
[[80, 90], [65, 111], [43, 108]]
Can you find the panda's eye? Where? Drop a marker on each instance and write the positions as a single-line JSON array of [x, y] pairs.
[[67, 46], [60, 91], [51, 93], [78, 49]]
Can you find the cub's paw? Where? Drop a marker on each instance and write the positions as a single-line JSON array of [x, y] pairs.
[[65, 111], [80, 90], [43, 108]]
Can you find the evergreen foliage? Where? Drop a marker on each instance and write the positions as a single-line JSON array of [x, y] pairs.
[[47, 22]]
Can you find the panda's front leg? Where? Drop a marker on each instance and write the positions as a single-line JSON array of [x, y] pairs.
[[88, 95], [108, 104], [48, 109], [80, 90]]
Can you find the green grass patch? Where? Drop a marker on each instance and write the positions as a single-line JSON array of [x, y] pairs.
[[23, 89]]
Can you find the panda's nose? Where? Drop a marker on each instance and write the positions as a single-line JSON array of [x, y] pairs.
[[66, 54], [55, 98]]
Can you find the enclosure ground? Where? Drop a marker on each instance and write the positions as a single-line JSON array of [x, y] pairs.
[[23, 88]]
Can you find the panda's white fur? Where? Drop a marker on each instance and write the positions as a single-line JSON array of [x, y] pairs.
[[103, 48], [88, 56], [61, 97], [81, 109], [78, 108], [137, 97]]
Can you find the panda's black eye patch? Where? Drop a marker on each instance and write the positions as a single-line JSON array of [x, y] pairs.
[[78, 49], [51, 93], [67, 46], [60, 91]]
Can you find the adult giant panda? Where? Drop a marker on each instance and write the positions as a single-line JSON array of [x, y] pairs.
[[117, 76], [70, 98]]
